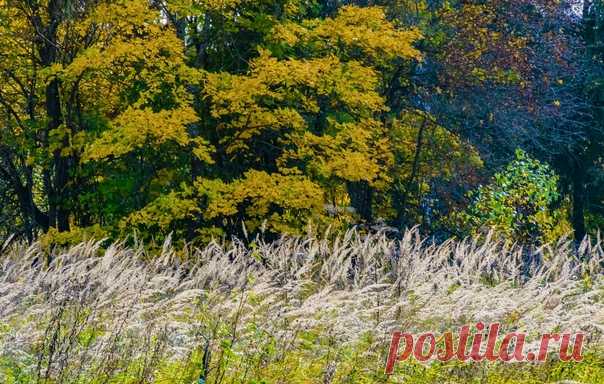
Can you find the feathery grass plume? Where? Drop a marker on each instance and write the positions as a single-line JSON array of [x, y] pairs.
[[288, 311]]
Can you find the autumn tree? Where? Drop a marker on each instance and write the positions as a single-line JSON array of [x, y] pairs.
[[502, 75], [581, 163], [215, 118], [307, 118], [89, 89]]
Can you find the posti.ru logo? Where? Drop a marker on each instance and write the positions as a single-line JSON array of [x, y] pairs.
[[475, 344]]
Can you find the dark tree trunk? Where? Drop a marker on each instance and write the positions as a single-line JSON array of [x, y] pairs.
[[49, 54], [34, 218], [58, 201], [361, 197], [403, 193], [578, 197]]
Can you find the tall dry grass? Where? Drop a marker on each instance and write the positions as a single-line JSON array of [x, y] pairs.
[[122, 315]]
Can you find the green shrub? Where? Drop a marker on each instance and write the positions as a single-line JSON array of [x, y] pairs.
[[519, 204]]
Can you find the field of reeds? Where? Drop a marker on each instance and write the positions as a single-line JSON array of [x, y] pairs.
[[292, 311]]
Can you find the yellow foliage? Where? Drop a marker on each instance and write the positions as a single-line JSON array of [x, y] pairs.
[[137, 128], [362, 28], [54, 238], [281, 203], [277, 94], [162, 213], [354, 152], [135, 71], [286, 202]]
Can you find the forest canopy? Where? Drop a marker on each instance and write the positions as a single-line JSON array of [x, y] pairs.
[[209, 119]]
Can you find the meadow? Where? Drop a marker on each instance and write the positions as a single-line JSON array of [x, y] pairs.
[[297, 310]]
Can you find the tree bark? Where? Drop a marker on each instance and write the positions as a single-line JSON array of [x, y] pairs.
[[32, 215], [49, 54], [404, 196], [361, 199], [578, 200]]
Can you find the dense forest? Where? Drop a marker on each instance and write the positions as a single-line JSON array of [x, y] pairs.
[[218, 118], [268, 191]]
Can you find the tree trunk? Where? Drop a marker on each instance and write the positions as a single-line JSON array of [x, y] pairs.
[[60, 162], [578, 218], [402, 195], [34, 218], [49, 54], [361, 199]]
